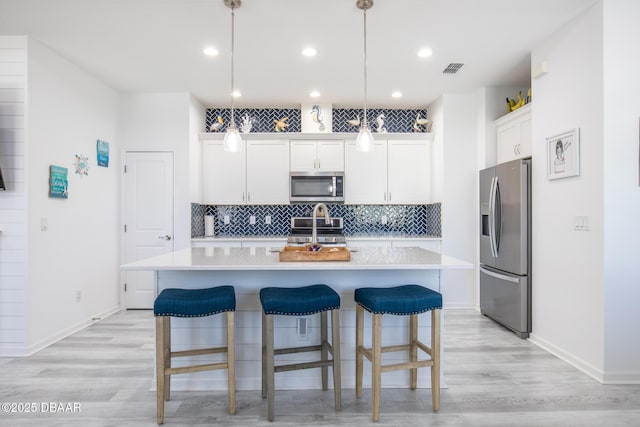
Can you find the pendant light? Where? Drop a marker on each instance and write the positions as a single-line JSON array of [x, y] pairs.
[[364, 142], [232, 140]]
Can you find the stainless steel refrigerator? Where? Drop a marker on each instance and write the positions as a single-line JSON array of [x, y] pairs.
[[505, 245]]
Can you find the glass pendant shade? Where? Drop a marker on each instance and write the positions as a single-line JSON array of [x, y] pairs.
[[364, 141], [232, 140]]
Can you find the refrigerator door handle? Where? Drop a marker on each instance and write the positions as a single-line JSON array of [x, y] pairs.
[[499, 276], [492, 217]]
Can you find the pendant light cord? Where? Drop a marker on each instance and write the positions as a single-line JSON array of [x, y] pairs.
[[233, 32], [364, 121]]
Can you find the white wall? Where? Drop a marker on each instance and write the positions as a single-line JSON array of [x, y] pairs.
[[456, 182], [491, 105], [621, 191], [68, 110], [197, 115], [161, 122], [13, 241], [568, 268]]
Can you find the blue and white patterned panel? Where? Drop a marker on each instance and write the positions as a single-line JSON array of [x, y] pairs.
[[393, 120], [261, 119], [359, 220]]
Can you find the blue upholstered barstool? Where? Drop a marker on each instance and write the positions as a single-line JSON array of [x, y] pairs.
[[301, 301], [192, 303], [405, 300]]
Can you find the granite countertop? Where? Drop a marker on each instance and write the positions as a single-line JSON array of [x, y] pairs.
[[408, 258]]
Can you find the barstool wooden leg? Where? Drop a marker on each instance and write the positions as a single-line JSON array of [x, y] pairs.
[[359, 345], [376, 365], [269, 367], [324, 352], [264, 356], [161, 355], [413, 351], [167, 356], [335, 344], [231, 361], [435, 356]]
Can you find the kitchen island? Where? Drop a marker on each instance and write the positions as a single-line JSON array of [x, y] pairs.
[[250, 269]]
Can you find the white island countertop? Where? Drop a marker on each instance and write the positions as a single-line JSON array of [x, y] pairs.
[[404, 258]]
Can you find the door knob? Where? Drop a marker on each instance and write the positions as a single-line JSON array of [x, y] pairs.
[[165, 237]]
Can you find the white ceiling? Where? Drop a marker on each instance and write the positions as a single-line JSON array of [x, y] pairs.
[[156, 45]]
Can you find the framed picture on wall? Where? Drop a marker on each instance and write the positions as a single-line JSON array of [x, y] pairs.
[[563, 154]]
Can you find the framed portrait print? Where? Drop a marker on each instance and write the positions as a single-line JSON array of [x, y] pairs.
[[563, 154]]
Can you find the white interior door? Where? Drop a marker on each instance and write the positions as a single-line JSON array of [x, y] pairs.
[[148, 219]]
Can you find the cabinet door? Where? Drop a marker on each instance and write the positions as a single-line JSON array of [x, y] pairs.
[[268, 172], [365, 175], [525, 137], [408, 172], [223, 175], [330, 156], [509, 137], [303, 156]]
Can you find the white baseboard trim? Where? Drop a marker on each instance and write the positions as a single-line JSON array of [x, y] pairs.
[[576, 362], [622, 378], [42, 344]]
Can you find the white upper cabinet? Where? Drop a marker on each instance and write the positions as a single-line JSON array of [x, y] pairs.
[[256, 175], [365, 175], [395, 172], [317, 156], [514, 134], [268, 172], [408, 172], [223, 175]]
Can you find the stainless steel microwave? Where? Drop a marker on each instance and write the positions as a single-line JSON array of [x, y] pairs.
[[316, 187]]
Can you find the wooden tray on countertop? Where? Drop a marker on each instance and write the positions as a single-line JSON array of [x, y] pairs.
[[300, 253]]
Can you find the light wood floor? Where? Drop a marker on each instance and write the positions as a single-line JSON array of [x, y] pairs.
[[493, 378]]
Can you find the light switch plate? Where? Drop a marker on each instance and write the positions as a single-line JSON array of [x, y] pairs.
[[267, 219], [226, 219], [252, 219], [44, 224]]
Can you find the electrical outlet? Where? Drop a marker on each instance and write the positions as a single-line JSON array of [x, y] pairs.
[[384, 220], [252, 219], [44, 224], [267, 219], [78, 296], [226, 219]]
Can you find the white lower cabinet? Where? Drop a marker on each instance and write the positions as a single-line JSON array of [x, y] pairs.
[[395, 172]]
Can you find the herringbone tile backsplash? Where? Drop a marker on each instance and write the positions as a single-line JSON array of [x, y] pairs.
[[390, 120], [359, 220]]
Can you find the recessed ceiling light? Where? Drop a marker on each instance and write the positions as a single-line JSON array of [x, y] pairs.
[[210, 51], [397, 94], [425, 52], [314, 94], [309, 51], [236, 94]]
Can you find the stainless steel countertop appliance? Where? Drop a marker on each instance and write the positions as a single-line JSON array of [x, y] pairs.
[[505, 245], [328, 234]]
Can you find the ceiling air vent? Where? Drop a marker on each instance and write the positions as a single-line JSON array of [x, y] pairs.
[[452, 68]]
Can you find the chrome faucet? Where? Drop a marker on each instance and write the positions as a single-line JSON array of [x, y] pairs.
[[322, 209]]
